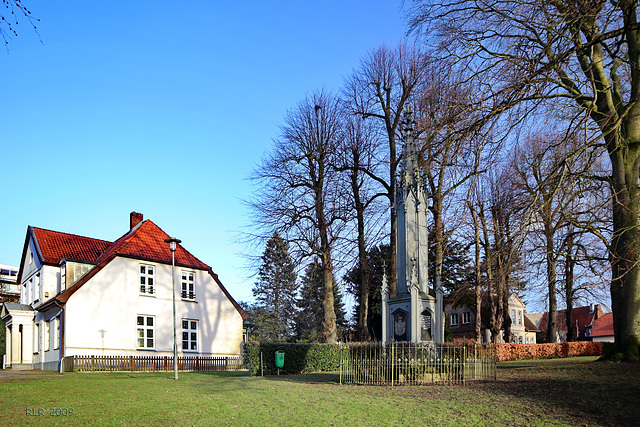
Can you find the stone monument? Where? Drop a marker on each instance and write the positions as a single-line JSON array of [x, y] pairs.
[[415, 313]]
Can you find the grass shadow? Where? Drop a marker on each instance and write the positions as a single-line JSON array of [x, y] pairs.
[[329, 378]]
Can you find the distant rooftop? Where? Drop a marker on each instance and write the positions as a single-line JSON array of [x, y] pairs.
[[8, 273]]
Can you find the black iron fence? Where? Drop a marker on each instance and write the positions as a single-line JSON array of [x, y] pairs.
[[416, 364]]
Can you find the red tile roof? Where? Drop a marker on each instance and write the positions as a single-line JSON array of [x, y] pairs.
[[582, 316], [603, 326], [147, 241], [53, 246]]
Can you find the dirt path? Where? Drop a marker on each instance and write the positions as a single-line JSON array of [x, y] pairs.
[[10, 375]]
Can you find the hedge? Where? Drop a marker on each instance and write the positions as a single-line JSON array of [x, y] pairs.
[[315, 357], [507, 352], [298, 357]]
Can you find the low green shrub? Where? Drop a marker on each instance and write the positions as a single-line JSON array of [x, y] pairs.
[[298, 357]]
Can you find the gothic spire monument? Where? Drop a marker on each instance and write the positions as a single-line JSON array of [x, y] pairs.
[[415, 312]]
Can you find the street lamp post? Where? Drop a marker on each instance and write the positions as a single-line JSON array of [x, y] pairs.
[[173, 245]]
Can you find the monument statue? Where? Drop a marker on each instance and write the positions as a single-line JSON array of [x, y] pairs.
[[415, 312]]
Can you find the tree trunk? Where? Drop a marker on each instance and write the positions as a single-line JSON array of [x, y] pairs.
[[330, 330], [502, 309], [478, 275], [495, 304], [552, 322], [625, 252], [572, 333], [363, 315]]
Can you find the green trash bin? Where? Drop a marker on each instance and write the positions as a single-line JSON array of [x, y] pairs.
[[279, 359]]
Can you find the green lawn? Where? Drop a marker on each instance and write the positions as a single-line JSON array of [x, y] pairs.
[[575, 391]]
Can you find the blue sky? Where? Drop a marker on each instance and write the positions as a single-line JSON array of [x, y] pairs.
[[163, 108]]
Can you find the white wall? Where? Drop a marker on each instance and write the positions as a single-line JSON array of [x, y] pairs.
[[100, 318]]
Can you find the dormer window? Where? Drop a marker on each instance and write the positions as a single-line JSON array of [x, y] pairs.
[[147, 282]]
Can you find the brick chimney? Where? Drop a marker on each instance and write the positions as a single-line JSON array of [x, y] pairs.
[[135, 218]]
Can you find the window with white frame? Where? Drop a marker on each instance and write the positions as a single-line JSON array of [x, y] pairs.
[[37, 296], [145, 332], [147, 282], [38, 339], [519, 317], [454, 319], [513, 317], [47, 336], [63, 277], [189, 335], [466, 317], [56, 331], [188, 285], [526, 340], [520, 339]]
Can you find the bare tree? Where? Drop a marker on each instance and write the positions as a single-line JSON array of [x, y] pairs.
[[541, 181], [499, 232], [300, 192], [13, 12], [358, 155], [449, 152], [532, 53], [380, 89], [550, 172], [477, 270]]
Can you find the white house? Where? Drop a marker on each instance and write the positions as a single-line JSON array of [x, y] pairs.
[[84, 296]]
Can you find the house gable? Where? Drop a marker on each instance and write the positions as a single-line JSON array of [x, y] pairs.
[[49, 247], [145, 242], [603, 326]]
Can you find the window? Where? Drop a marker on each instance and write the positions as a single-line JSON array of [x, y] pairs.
[[188, 285], [520, 340], [147, 285], [56, 331], [189, 335], [146, 332], [513, 317], [63, 277], [38, 288], [454, 319], [37, 338], [466, 317], [526, 340], [519, 317], [47, 336]]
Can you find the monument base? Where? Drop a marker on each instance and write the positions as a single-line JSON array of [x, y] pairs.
[[411, 317]]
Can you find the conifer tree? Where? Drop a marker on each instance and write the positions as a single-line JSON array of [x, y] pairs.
[[275, 290]]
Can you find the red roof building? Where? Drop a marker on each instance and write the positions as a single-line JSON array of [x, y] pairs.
[[583, 319], [85, 296], [602, 329]]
